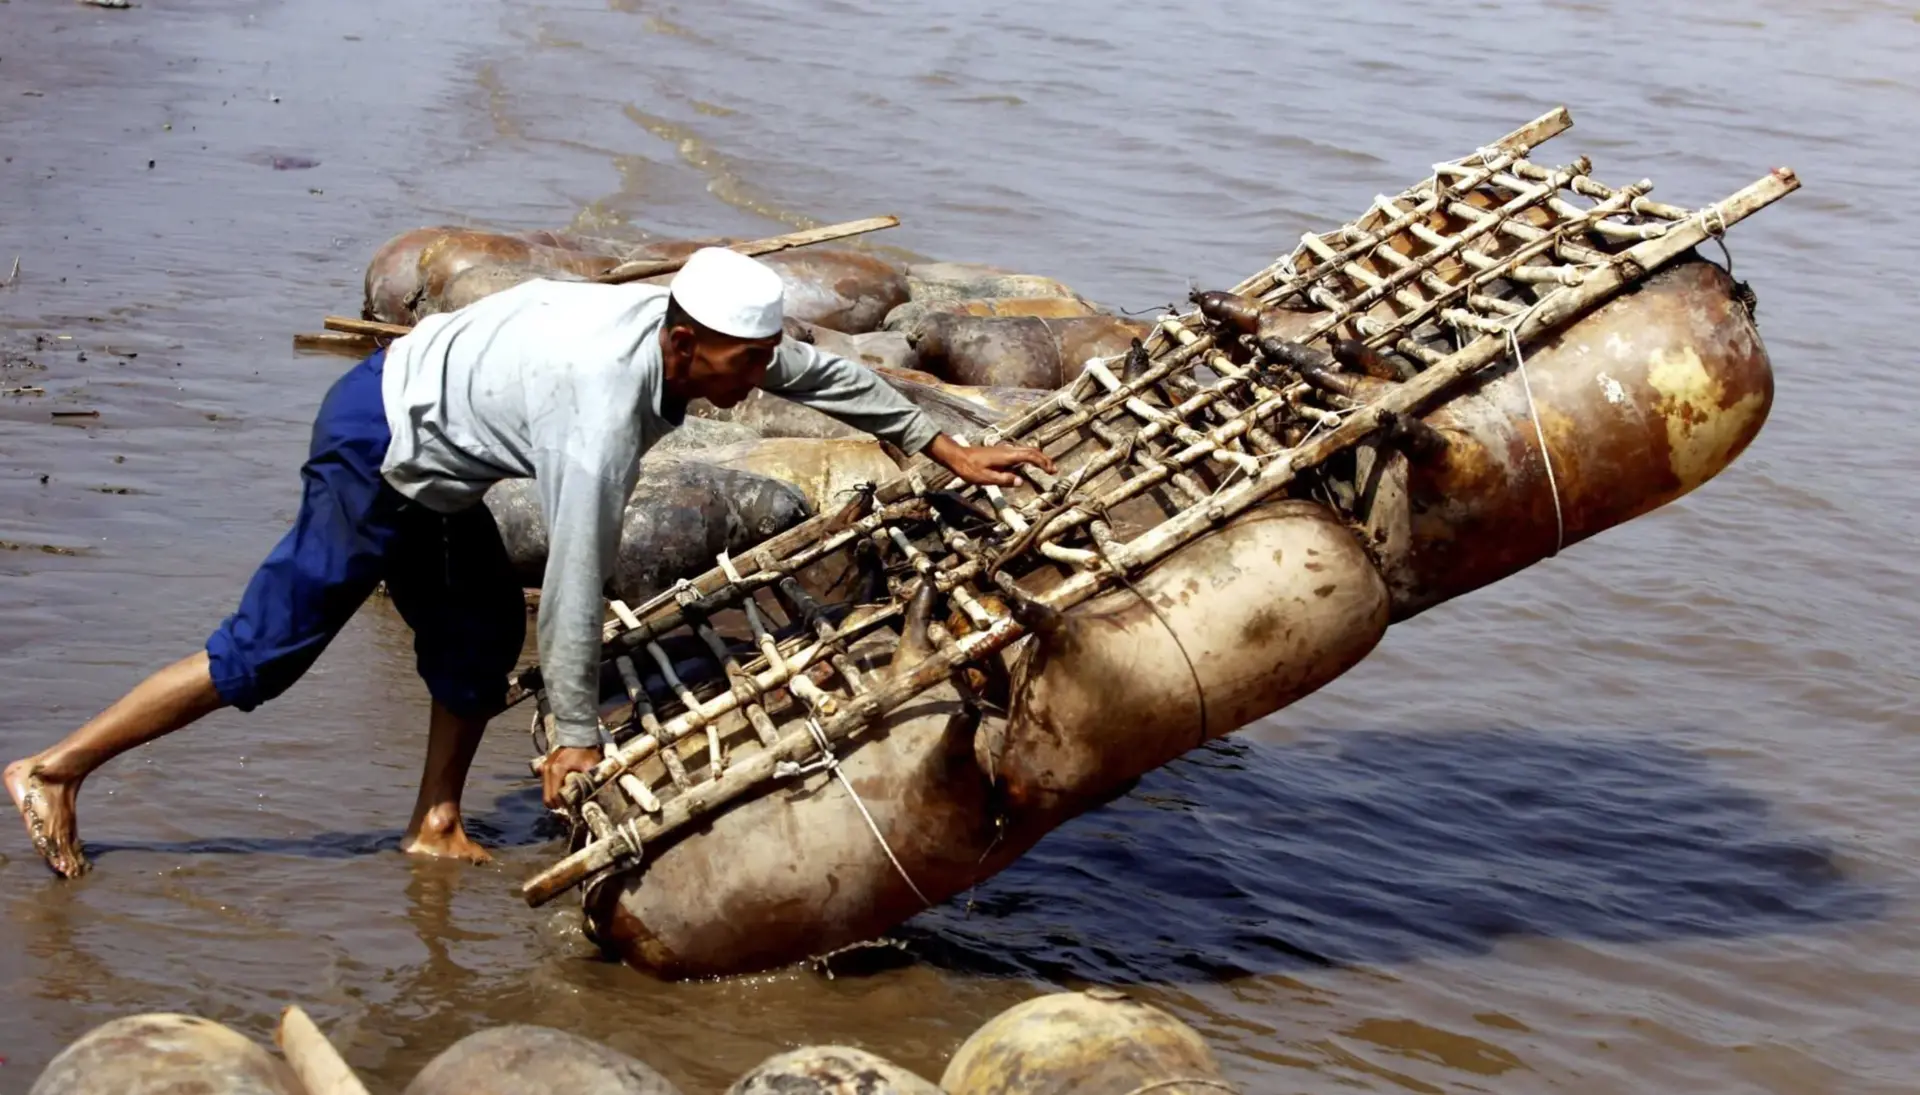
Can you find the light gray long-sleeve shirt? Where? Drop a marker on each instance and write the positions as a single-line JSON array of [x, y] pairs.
[[562, 382]]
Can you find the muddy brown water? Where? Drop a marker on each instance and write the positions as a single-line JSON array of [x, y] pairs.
[[1640, 819]]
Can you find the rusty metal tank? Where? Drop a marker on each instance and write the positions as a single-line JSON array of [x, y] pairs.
[[1016, 351], [1640, 402], [426, 271]]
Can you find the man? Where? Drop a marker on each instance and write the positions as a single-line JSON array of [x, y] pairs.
[[566, 383]]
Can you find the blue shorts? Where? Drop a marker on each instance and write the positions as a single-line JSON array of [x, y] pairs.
[[449, 574]]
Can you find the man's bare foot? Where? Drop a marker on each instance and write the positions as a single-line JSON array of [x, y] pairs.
[[50, 810], [442, 834]]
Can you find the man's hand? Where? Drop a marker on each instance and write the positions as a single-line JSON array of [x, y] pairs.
[[561, 763], [986, 463]]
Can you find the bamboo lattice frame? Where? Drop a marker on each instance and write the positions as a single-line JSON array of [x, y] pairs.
[[1490, 251]]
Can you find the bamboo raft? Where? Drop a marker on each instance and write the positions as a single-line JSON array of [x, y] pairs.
[[1318, 384]]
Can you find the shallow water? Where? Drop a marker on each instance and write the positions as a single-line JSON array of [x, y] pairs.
[[1637, 819]]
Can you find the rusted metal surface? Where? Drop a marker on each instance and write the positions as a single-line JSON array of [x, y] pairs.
[[1230, 629], [796, 870], [427, 271], [444, 260], [1017, 351]]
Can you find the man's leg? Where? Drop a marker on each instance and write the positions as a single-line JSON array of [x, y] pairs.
[[452, 581], [46, 786], [437, 828]]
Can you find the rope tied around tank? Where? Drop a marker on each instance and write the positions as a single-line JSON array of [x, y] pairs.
[[828, 762], [1539, 431], [1199, 690], [1509, 330]]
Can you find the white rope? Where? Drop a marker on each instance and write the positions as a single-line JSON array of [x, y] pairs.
[[830, 763], [1511, 327], [1539, 431]]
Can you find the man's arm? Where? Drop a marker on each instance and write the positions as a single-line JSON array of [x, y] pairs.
[[583, 492], [864, 400], [851, 393]]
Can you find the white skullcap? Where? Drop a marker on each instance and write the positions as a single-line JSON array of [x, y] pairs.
[[726, 291]]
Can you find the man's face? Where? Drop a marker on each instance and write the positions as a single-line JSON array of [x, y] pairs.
[[717, 368]]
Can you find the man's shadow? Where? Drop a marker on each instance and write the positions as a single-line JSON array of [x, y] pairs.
[[1378, 847]]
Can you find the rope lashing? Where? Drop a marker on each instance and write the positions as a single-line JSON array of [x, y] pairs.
[[1715, 223], [1198, 1081]]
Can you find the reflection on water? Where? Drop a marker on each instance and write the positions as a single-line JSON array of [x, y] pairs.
[[1371, 848]]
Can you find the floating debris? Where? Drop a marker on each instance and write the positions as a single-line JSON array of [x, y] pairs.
[[44, 549], [283, 161], [335, 342]]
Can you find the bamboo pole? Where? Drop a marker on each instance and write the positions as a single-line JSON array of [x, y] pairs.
[[1544, 241], [1486, 221], [639, 271], [1586, 186], [1513, 146], [663, 737]]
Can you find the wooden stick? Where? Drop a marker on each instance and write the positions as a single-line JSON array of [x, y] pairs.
[[638, 271], [334, 342], [314, 1060], [369, 327]]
